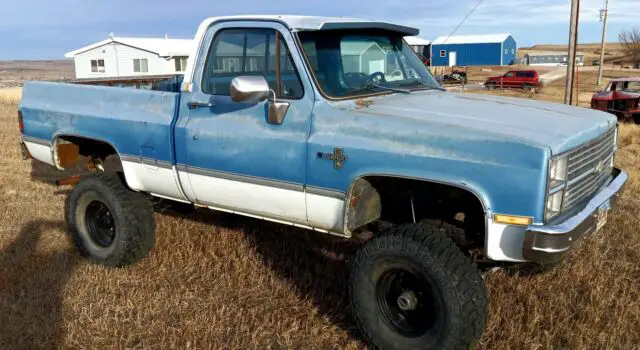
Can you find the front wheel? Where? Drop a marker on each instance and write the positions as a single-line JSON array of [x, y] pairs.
[[412, 288], [109, 223]]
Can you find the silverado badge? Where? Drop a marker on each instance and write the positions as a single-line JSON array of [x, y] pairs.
[[337, 157]]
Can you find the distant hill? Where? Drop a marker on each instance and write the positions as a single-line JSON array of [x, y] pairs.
[[586, 47], [14, 73], [613, 51]]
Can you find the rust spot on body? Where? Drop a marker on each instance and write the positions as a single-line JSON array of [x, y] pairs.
[[363, 103]]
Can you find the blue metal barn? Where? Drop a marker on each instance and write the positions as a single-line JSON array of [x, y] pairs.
[[474, 50]]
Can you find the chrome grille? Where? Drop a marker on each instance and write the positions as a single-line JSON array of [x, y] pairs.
[[588, 168]]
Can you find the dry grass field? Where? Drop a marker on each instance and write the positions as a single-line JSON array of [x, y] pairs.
[[216, 280]]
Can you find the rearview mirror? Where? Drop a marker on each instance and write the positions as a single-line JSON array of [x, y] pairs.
[[254, 89], [250, 89]]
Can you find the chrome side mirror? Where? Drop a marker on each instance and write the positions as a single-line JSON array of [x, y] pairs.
[[250, 89], [254, 89]]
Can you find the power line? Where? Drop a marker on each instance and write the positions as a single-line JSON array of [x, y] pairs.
[[463, 20]]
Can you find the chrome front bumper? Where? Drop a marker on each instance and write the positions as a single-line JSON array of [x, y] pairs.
[[550, 243]]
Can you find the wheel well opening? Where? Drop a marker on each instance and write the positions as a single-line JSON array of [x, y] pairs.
[[74, 151], [408, 200]]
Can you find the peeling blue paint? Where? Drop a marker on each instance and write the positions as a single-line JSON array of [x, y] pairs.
[[496, 147]]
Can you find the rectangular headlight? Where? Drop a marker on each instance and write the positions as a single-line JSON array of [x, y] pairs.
[[554, 204], [557, 172]]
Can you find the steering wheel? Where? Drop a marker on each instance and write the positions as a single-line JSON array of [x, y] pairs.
[[372, 76], [355, 78]]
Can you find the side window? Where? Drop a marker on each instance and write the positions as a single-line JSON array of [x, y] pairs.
[[443, 53], [521, 74], [140, 65], [97, 66], [238, 52], [509, 75], [632, 86], [180, 64]]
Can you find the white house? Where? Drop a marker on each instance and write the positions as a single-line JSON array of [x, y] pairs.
[[126, 57]]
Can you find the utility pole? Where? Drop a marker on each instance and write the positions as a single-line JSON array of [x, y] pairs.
[[573, 39], [603, 18]]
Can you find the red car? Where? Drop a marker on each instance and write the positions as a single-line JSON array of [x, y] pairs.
[[621, 97], [518, 79]]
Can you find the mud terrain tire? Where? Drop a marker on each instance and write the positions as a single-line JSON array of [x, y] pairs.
[[412, 288], [109, 223]]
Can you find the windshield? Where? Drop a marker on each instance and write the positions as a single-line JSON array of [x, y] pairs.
[[352, 63]]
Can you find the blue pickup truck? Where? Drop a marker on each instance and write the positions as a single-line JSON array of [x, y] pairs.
[[334, 125]]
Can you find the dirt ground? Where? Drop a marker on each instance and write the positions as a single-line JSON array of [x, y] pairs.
[[554, 92], [215, 280]]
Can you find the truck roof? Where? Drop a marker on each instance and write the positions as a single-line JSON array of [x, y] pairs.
[[304, 23]]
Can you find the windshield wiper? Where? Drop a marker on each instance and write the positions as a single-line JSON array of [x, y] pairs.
[[426, 86], [371, 86]]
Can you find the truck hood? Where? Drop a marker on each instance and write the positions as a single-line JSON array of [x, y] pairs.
[[556, 126]]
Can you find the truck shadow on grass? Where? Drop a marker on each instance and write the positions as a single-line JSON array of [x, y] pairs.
[[316, 265], [31, 285]]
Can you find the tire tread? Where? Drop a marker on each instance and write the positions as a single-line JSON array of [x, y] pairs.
[[437, 248]]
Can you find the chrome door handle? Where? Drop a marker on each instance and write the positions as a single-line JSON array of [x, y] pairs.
[[199, 104]]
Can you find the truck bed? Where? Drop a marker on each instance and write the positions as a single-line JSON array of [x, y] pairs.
[[168, 83], [136, 123]]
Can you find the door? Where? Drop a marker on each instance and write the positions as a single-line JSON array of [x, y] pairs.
[[234, 159], [522, 78], [509, 80], [453, 58]]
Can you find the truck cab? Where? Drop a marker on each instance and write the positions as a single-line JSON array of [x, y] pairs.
[[335, 125]]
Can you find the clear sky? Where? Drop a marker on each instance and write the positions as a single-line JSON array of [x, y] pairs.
[[46, 29]]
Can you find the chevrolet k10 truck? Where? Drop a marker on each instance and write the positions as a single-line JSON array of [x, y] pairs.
[[334, 125]]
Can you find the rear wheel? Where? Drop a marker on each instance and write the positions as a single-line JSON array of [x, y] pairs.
[[109, 223], [527, 87], [413, 288]]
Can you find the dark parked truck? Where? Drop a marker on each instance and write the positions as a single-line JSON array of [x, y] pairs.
[[334, 125], [621, 97]]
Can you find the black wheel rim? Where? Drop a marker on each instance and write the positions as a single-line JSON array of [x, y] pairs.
[[100, 224], [406, 302]]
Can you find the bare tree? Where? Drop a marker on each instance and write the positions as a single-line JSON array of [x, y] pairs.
[[630, 40]]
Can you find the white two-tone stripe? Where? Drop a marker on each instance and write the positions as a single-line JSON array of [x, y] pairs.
[[39, 149], [155, 177], [268, 199]]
